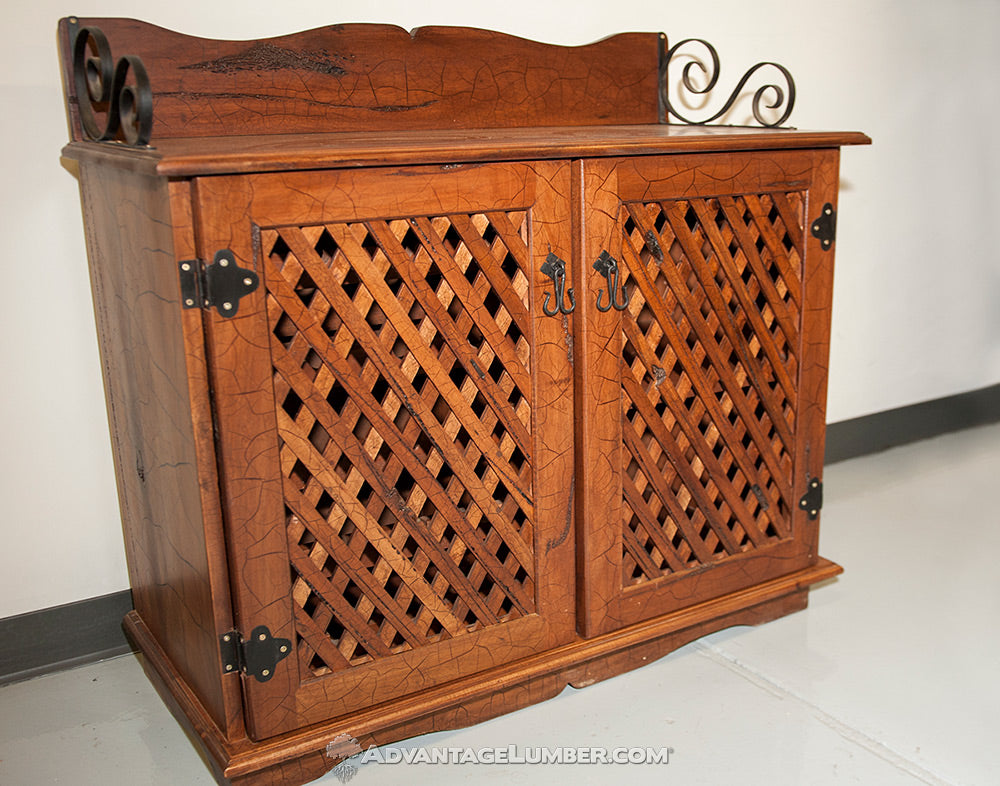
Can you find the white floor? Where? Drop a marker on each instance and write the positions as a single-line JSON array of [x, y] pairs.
[[892, 676]]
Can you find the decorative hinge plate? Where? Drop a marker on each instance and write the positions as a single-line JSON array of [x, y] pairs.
[[257, 655], [218, 285], [812, 500], [825, 227]]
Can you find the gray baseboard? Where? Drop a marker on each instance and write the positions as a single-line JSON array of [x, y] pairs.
[[58, 638], [63, 636], [862, 436]]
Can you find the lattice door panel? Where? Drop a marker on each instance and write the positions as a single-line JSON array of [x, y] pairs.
[[403, 398], [379, 427], [709, 379]]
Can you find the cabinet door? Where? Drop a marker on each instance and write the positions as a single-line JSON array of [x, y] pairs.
[[394, 422], [702, 401]]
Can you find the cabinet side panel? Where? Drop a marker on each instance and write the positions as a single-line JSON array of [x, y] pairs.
[[143, 355], [817, 281]]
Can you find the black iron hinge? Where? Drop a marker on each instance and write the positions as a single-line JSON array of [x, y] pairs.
[[256, 656], [824, 228], [219, 284], [812, 500]]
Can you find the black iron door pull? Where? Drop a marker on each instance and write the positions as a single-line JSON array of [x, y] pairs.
[[555, 268], [607, 266]]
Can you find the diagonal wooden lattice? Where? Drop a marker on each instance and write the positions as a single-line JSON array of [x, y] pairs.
[[710, 343], [402, 388]]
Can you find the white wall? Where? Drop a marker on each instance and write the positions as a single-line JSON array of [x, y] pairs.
[[917, 301]]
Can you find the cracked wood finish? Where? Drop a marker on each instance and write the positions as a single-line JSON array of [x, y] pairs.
[[158, 409], [451, 505], [814, 343], [394, 427], [191, 157], [298, 756], [378, 78], [701, 407]]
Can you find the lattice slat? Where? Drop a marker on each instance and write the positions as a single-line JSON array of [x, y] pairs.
[[435, 414], [402, 390], [493, 328], [349, 490], [760, 317], [709, 378], [743, 361]]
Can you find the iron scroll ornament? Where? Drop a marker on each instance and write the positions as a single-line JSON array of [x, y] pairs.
[[783, 97], [100, 84]]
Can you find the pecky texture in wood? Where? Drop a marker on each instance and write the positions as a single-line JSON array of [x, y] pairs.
[[202, 422], [597, 342], [379, 78]]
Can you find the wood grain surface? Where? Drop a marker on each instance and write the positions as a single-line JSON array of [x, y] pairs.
[[165, 473], [297, 757], [378, 78], [450, 499], [430, 434], [230, 155], [689, 402]]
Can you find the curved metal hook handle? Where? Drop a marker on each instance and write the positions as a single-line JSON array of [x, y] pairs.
[[555, 268], [607, 266], [572, 302], [545, 304], [601, 308]]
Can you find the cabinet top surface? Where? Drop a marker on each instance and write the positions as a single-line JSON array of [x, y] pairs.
[[188, 157]]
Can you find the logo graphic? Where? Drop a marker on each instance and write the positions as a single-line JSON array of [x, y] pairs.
[[343, 747], [345, 771], [352, 757]]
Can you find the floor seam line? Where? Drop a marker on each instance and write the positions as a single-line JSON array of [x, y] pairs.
[[845, 730]]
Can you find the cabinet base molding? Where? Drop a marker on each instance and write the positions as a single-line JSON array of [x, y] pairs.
[[300, 757]]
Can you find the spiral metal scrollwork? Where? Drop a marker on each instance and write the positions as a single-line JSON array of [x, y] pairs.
[[783, 97], [100, 86]]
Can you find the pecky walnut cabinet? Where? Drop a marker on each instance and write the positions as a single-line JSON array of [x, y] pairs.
[[442, 371]]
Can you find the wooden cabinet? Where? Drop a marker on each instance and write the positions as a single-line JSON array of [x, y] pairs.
[[418, 419]]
